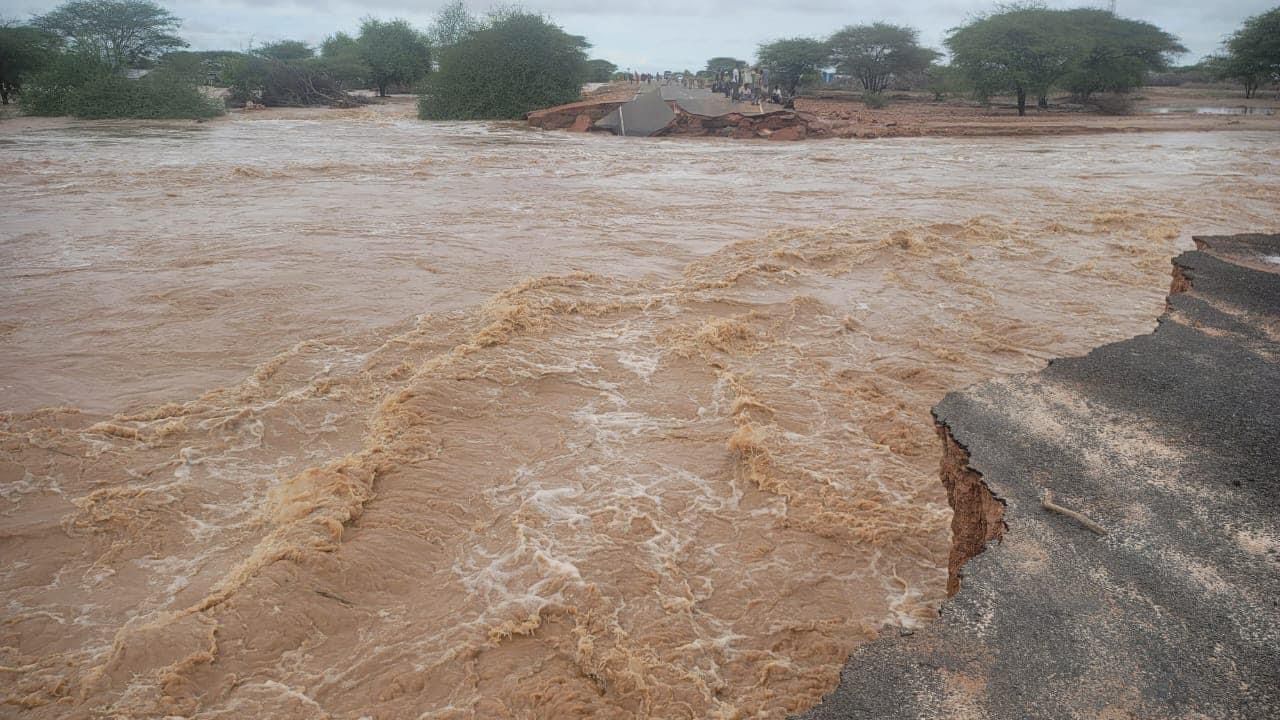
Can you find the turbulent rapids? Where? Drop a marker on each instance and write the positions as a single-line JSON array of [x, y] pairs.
[[512, 424]]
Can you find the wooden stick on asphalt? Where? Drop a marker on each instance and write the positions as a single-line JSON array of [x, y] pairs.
[[1049, 504]]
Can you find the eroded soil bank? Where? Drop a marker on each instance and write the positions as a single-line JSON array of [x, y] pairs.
[[843, 115], [466, 420]]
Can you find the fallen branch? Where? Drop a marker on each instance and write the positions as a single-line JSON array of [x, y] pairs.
[[1048, 504]]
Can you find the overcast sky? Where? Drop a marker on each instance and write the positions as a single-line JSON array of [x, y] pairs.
[[661, 34]]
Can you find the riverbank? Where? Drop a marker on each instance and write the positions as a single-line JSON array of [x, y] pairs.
[[841, 114]]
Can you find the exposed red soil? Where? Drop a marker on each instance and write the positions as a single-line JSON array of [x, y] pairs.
[[979, 514]]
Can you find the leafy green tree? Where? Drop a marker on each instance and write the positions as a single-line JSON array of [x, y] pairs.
[[395, 53], [944, 80], [600, 70], [875, 53], [723, 64], [286, 51], [1252, 53], [341, 59], [791, 61], [24, 51], [518, 62], [1117, 54], [1021, 50], [452, 23], [119, 33]]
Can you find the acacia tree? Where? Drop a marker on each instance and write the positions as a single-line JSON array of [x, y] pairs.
[[517, 62], [452, 23], [341, 59], [791, 60], [118, 33], [1023, 49], [600, 70], [723, 64], [1117, 53], [24, 51], [394, 51], [1252, 53], [286, 51], [875, 53]]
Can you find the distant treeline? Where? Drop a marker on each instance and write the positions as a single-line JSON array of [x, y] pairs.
[[1024, 51], [124, 58]]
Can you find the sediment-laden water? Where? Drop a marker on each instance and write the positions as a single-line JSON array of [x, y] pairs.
[[355, 416]]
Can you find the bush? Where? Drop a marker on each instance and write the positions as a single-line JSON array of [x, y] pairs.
[[875, 101], [276, 83], [158, 95], [518, 63], [82, 88]]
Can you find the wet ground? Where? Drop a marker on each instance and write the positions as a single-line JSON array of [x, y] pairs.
[[359, 416]]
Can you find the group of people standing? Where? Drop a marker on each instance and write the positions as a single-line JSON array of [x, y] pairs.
[[746, 84], [741, 84]]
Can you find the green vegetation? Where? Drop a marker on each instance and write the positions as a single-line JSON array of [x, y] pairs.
[[1027, 50], [1116, 54], [254, 78], [452, 23], [876, 53], [286, 51], [341, 60], [24, 51], [118, 33], [515, 62], [103, 39], [724, 64], [1252, 54], [83, 87], [394, 52], [794, 61], [600, 71]]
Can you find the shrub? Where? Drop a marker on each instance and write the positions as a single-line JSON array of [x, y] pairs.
[[158, 95], [80, 87], [875, 101], [49, 91], [519, 62], [275, 83]]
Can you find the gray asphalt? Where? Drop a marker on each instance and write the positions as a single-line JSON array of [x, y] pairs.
[[1170, 441]]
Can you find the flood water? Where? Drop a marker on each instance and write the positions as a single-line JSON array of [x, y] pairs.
[[353, 416], [1232, 110]]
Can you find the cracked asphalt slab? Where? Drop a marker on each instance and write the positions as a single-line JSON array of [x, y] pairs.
[[1171, 442]]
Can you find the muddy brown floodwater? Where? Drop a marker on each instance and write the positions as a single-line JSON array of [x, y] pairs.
[[352, 416]]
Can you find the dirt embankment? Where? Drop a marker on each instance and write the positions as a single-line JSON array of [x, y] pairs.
[[843, 114], [1150, 109], [979, 514]]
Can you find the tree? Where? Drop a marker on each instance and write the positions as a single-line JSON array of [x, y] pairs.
[[518, 62], [340, 57], [120, 33], [395, 53], [723, 64], [1252, 53], [1022, 49], [24, 51], [286, 51], [452, 23], [875, 53], [1117, 54], [791, 61], [600, 70]]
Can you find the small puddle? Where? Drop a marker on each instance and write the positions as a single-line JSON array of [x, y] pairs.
[[1238, 110]]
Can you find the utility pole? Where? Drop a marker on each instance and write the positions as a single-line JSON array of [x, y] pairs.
[[1113, 7]]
